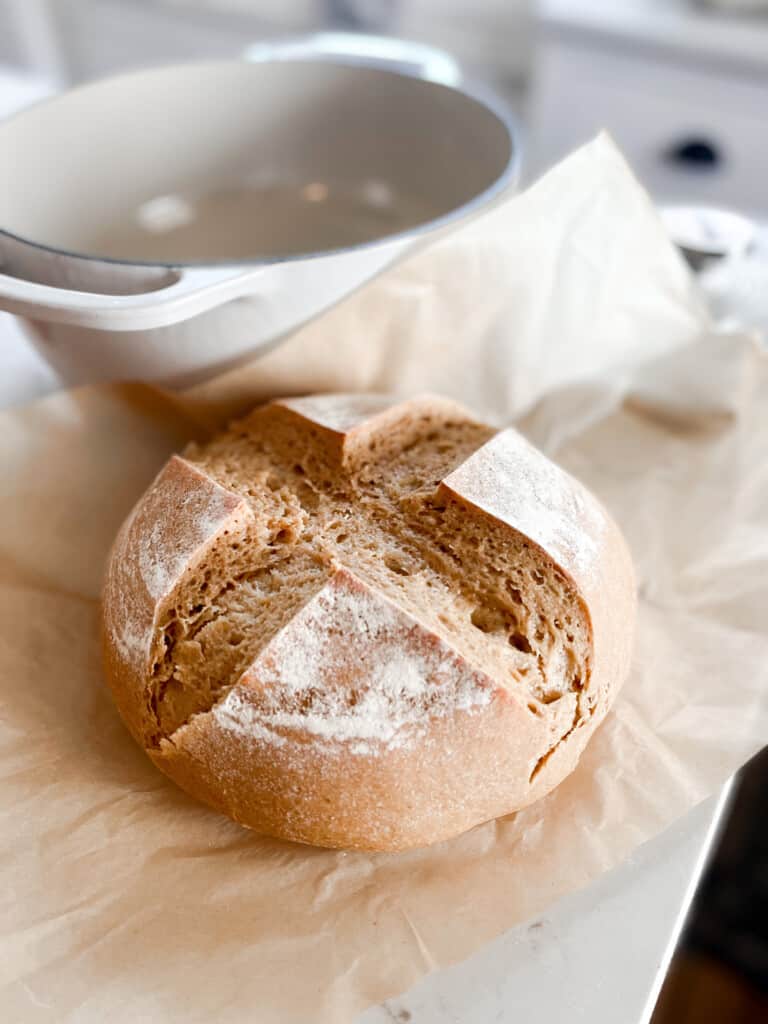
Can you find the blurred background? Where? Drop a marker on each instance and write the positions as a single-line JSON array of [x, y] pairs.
[[682, 84], [683, 87]]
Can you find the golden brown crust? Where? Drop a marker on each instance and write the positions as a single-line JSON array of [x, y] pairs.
[[357, 725], [510, 481], [352, 779], [167, 533]]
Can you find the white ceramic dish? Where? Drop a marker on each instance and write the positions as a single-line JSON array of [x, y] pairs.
[[350, 166]]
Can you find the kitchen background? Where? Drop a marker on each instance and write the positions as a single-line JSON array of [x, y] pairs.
[[683, 87]]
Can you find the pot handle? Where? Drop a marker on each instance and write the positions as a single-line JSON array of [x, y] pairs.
[[191, 291]]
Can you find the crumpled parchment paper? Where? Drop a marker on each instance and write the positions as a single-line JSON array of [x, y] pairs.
[[565, 310]]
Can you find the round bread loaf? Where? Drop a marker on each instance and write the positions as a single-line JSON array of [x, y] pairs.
[[361, 622]]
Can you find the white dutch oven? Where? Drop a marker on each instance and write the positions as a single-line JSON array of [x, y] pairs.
[[166, 223]]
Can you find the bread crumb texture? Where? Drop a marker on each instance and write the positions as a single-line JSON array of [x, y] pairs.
[[362, 622]]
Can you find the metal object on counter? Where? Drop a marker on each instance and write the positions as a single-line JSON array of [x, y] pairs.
[[729, 253], [704, 233]]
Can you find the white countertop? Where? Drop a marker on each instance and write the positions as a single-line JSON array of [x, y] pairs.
[[597, 957], [569, 963]]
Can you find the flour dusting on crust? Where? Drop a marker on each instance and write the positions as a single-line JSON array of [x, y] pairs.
[[510, 480], [351, 668], [180, 513], [165, 549], [339, 412]]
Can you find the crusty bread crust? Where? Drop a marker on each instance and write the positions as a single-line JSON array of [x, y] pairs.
[[330, 650]]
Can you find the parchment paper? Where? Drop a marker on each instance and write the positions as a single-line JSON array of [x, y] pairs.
[[566, 310]]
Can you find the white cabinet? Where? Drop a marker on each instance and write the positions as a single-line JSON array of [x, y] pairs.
[[693, 123]]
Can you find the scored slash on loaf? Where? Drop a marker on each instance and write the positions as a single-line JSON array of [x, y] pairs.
[[364, 622]]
